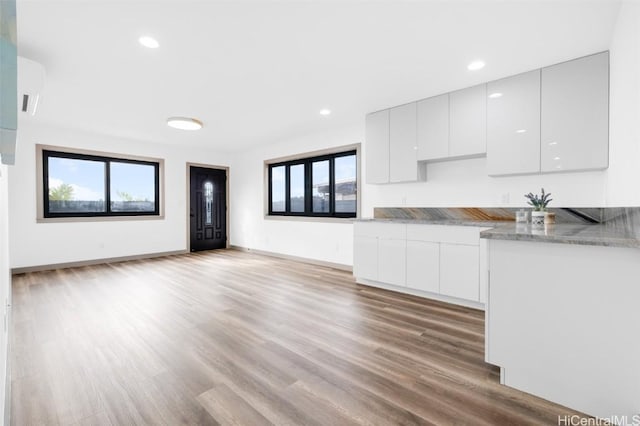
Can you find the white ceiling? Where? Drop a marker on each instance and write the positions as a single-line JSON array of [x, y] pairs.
[[256, 72]]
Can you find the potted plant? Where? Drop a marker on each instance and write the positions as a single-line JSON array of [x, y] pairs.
[[539, 204]]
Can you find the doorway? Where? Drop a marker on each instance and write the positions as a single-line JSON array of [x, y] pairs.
[[207, 208]]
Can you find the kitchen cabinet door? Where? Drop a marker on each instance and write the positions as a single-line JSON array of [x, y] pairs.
[[392, 261], [377, 147], [403, 154], [513, 125], [433, 128], [423, 266], [365, 257], [575, 115], [468, 121], [460, 271]]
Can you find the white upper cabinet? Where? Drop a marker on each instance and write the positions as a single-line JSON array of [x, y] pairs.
[[468, 121], [554, 119], [433, 128], [391, 146], [377, 147], [403, 160], [513, 125], [575, 115]]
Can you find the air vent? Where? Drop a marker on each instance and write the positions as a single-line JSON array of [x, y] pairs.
[[30, 82]]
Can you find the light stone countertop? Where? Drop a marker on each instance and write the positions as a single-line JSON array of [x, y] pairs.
[[608, 235], [450, 222], [581, 234]]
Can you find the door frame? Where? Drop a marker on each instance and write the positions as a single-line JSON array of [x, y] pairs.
[[188, 203]]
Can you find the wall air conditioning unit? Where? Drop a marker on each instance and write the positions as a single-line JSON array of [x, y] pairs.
[[30, 83]]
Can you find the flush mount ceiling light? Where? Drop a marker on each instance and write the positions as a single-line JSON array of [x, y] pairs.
[[475, 65], [495, 95], [521, 131], [184, 123], [149, 42], [325, 111]]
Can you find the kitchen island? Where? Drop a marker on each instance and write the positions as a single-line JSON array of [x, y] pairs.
[[563, 314]]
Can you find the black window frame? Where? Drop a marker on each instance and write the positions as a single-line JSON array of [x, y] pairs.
[[308, 185], [46, 154]]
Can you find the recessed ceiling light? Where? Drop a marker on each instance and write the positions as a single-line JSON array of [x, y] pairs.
[[325, 111], [556, 158], [553, 143], [475, 65], [184, 123], [495, 95], [521, 131], [149, 42]]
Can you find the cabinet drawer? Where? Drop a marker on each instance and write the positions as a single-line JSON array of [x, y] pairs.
[[381, 230], [469, 235]]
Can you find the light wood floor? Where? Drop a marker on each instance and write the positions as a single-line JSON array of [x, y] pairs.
[[228, 337]]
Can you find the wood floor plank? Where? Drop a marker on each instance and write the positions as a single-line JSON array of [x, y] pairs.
[[227, 408], [233, 338]]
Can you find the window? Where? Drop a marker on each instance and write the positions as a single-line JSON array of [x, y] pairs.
[[81, 185], [324, 185]]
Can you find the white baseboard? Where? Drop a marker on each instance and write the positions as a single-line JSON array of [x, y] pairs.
[[420, 293], [333, 265], [53, 266]]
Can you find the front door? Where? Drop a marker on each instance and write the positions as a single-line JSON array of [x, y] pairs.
[[208, 208]]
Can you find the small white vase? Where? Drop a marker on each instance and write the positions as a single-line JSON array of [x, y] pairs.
[[537, 218]]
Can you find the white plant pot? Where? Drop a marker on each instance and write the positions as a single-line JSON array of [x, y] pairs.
[[537, 218]]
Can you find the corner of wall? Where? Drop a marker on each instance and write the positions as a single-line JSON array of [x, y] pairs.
[[624, 109], [5, 296]]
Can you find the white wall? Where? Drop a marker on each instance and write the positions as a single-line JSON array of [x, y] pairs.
[[35, 244], [5, 284], [623, 184], [328, 242]]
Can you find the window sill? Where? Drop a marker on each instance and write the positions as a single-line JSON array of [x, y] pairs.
[[96, 219], [311, 219]]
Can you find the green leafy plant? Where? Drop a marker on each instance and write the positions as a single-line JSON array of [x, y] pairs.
[[539, 203], [63, 192]]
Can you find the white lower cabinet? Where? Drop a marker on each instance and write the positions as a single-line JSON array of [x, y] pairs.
[[441, 260], [460, 271], [365, 257], [423, 266], [392, 261]]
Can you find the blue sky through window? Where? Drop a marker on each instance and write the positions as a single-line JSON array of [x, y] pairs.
[[135, 180], [84, 176], [87, 178]]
